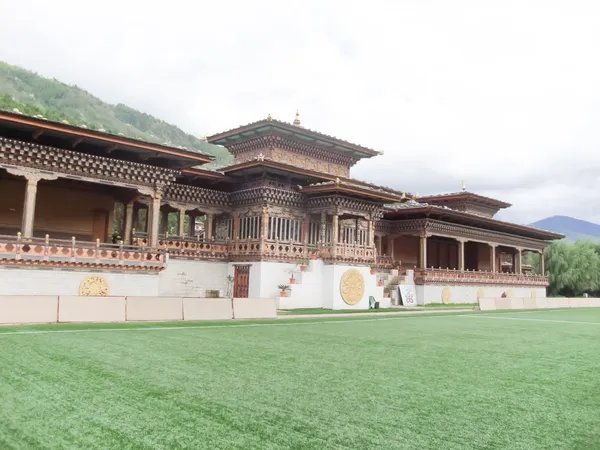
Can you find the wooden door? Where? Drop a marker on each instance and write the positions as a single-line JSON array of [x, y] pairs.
[[241, 281], [100, 226]]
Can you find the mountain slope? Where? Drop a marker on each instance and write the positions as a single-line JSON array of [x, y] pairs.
[[32, 94], [573, 228]]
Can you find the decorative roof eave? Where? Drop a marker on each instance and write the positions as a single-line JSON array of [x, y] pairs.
[[476, 198], [440, 212], [99, 137], [235, 135], [205, 173], [355, 190], [275, 165], [390, 194]]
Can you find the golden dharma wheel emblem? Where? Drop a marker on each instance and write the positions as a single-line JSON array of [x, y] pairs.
[[509, 293], [352, 286], [480, 293], [94, 286], [533, 293], [446, 295]]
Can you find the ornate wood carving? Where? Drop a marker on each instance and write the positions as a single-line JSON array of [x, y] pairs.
[[352, 286], [51, 159], [196, 196]]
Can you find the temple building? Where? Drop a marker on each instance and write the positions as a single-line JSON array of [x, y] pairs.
[[284, 221]]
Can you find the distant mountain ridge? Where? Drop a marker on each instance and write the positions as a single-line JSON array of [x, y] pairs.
[[34, 95], [573, 229]]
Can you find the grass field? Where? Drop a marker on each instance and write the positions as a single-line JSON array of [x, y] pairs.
[[517, 380], [430, 306]]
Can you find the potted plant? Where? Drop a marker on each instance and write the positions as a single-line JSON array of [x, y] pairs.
[[380, 283], [283, 290], [386, 291], [303, 264], [292, 279], [314, 254], [373, 267], [229, 286]]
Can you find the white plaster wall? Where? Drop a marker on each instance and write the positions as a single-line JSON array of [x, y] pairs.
[[66, 282], [468, 294], [185, 278], [307, 292], [371, 288]]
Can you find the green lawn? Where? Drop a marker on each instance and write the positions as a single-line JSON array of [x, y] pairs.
[[305, 311], [527, 380]]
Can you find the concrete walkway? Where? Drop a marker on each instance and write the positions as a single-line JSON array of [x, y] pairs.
[[406, 312]]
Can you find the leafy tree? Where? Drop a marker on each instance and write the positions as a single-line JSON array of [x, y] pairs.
[[573, 269]]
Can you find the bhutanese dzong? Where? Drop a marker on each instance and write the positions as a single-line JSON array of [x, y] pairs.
[[286, 212]]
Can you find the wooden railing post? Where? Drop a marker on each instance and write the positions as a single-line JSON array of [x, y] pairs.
[[46, 247], [73, 249], [18, 246]]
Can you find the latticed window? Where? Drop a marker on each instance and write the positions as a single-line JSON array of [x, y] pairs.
[[314, 233], [224, 229], [348, 235], [250, 227], [285, 229]]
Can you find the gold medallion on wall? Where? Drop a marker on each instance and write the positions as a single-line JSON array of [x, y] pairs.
[[352, 286], [480, 293], [509, 293], [94, 286], [446, 295], [533, 293]]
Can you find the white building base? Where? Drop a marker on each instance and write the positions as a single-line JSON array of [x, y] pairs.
[[471, 293]]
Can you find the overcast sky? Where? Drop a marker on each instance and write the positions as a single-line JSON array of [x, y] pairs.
[[503, 94]]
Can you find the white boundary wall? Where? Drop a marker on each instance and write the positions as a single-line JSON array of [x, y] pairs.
[[469, 294], [52, 309]]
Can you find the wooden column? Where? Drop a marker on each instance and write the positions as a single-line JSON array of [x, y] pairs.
[[423, 251], [192, 226], [236, 227], [29, 207], [305, 226], [323, 227], [334, 233], [492, 257], [391, 249], [128, 222], [181, 223], [461, 254], [542, 262], [208, 225], [153, 219], [519, 261], [264, 223]]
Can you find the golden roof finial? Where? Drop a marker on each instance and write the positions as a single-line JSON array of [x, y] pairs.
[[464, 186], [297, 119], [337, 181], [269, 117], [403, 196]]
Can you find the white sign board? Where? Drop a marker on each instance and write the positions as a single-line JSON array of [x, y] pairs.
[[408, 295]]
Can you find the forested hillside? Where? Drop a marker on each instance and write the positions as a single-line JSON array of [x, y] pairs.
[[32, 94]]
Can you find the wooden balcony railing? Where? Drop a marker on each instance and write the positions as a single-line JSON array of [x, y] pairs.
[[444, 276], [260, 250], [16, 250]]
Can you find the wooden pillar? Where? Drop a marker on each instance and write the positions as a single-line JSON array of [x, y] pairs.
[[305, 227], [208, 225], [370, 233], [29, 207], [391, 249], [128, 222], [181, 223], [163, 221], [542, 262], [379, 245], [264, 223], [461, 254], [323, 227], [192, 225], [492, 257], [236, 227], [518, 261], [334, 233], [423, 251], [153, 219]]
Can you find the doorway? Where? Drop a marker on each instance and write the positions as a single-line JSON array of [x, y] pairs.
[[241, 281]]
